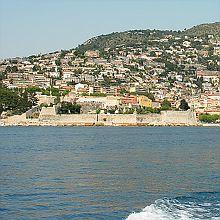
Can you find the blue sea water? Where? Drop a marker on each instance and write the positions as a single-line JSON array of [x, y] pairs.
[[133, 173]]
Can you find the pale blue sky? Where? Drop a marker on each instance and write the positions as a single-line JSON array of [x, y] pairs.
[[38, 26]]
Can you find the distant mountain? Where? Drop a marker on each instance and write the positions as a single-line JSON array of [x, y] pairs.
[[134, 37], [204, 29]]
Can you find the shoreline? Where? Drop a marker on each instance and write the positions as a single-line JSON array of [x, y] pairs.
[[49, 124], [165, 118]]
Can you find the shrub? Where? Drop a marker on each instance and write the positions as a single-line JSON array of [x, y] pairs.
[[209, 118]]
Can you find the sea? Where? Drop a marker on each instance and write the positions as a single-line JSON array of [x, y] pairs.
[[110, 173]]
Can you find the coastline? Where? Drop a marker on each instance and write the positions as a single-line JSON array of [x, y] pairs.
[[166, 118], [72, 124]]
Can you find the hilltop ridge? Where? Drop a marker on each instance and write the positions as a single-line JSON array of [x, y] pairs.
[[204, 29], [132, 37]]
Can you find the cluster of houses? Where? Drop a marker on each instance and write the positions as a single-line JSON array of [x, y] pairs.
[[168, 67]]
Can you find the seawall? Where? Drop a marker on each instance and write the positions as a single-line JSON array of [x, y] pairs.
[[166, 118]]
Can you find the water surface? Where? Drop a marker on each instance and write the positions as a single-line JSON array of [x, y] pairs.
[[109, 172]]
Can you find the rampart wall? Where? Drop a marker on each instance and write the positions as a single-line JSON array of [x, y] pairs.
[[51, 118], [117, 119], [178, 117]]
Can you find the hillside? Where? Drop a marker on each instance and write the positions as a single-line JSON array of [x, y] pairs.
[[127, 38], [204, 29], [134, 37]]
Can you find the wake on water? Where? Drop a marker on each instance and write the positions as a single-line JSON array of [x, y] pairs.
[[196, 206]]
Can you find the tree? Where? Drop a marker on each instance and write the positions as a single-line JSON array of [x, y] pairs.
[[123, 91], [166, 105], [98, 111], [152, 54], [69, 108], [99, 94], [8, 69], [65, 92], [16, 101], [149, 95], [63, 53], [53, 91], [8, 100], [170, 66], [111, 111], [184, 105], [23, 103], [58, 62], [36, 68], [2, 76], [33, 89], [199, 82], [14, 69]]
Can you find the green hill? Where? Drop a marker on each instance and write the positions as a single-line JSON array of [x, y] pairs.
[[204, 29], [136, 37], [127, 38]]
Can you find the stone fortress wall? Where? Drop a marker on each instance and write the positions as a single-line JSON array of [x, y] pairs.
[[165, 118], [48, 116], [185, 117]]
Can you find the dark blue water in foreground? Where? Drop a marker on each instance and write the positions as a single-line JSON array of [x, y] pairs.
[[109, 173]]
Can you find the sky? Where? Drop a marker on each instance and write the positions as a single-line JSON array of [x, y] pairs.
[[30, 27]]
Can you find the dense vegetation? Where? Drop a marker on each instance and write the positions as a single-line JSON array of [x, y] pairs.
[[69, 108], [209, 118], [166, 105], [16, 101], [204, 29], [127, 38], [137, 37], [184, 105], [49, 91]]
